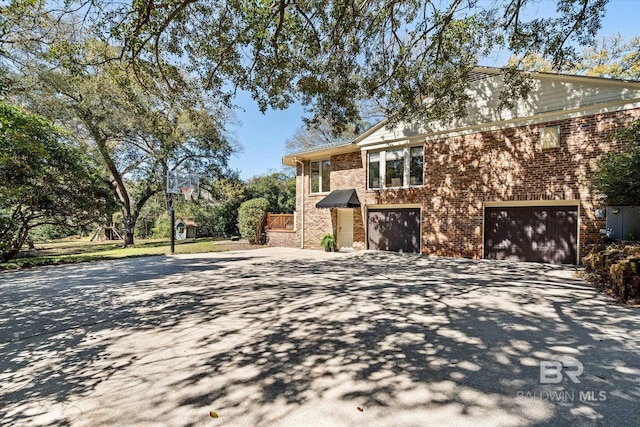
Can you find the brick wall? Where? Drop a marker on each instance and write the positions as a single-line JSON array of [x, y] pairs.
[[461, 173], [280, 238]]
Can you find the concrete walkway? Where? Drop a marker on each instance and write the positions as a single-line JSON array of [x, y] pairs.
[[303, 338]]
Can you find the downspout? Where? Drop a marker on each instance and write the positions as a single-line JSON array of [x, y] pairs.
[[302, 207]]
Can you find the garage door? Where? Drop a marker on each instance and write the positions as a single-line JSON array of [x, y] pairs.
[[395, 230], [532, 233]]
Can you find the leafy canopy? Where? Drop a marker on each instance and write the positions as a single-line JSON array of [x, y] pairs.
[[611, 57], [43, 180], [278, 188], [619, 175], [413, 56], [136, 129]]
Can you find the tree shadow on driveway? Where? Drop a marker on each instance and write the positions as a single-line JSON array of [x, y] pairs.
[[410, 340]]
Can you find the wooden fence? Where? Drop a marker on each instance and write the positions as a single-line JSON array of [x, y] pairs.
[[280, 222]]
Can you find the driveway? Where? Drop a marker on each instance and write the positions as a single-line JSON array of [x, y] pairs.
[[308, 338]]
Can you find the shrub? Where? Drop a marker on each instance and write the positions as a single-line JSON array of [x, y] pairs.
[[251, 219], [162, 228], [617, 267], [618, 176], [49, 232]]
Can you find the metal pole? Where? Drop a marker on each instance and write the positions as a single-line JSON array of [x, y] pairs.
[[173, 224]]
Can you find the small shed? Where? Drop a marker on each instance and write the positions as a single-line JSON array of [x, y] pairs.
[[185, 229]]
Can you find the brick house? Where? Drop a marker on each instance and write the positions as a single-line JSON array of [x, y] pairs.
[[500, 184]]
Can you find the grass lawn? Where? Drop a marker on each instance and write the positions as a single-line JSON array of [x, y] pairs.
[[69, 251]]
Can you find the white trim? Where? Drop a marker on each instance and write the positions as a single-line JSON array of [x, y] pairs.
[[518, 203], [322, 190], [533, 203], [394, 206], [406, 172], [413, 142], [537, 119], [318, 153], [609, 107], [302, 189], [570, 78]]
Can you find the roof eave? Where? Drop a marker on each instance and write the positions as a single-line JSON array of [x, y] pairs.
[[319, 153]]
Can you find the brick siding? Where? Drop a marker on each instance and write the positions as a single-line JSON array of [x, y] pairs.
[[461, 173]]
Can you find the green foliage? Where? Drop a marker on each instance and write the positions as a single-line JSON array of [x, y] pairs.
[[221, 218], [251, 217], [619, 175], [134, 125], [162, 228], [610, 57], [278, 188], [411, 55], [328, 242], [43, 180], [48, 232]]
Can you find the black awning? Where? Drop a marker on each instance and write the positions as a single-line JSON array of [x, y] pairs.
[[340, 199]]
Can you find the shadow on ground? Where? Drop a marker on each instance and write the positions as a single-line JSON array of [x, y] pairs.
[[410, 340]]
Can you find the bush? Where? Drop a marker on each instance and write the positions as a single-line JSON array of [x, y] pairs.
[[162, 228], [618, 176], [217, 221], [49, 232], [251, 219], [617, 267]]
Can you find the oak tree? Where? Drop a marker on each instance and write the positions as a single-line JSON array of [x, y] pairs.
[[413, 56], [44, 179], [136, 129]]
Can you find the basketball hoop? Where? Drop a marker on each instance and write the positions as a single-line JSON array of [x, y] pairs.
[[186, 184], [187, 192]]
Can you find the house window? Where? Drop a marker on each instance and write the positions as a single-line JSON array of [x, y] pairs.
[[374, 170], [402, 167], [416, 171], [394, 162], [320, 176]]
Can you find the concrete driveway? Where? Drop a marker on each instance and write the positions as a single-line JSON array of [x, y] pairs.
[[306, 338]]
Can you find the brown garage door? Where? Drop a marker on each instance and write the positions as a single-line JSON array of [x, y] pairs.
[[395, 230], [532, 233]]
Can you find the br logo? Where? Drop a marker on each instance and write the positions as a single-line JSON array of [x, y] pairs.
[[551, 371]]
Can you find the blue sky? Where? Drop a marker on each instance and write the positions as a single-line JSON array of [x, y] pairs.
[[263, 136]]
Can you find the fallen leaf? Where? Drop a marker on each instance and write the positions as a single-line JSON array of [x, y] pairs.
[[213, 414]]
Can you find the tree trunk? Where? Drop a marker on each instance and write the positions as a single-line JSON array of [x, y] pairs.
[[129, 228], [128, 238]]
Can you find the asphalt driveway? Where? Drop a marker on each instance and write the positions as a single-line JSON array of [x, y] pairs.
[[288, 337]]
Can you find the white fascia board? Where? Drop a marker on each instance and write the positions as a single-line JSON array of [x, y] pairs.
[[609, 107], [319, 154], [416, 141]]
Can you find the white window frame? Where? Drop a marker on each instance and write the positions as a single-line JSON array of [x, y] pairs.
[[406, 178], [320, 189]]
